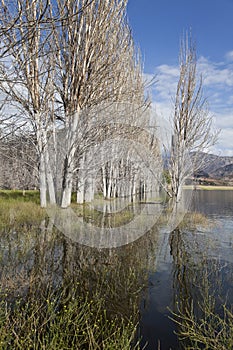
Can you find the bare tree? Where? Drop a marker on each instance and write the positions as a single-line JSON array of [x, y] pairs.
[[18, 161], [191, 121], [26, 73]]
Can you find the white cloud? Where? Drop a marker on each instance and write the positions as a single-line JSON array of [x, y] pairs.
[[229, 56], [225, 138], [224, 121]]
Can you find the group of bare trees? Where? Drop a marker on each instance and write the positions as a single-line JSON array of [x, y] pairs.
[[17, 163], [64, 64], [71, 81]]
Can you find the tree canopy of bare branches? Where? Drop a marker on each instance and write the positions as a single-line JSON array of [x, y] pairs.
[[191, 121]]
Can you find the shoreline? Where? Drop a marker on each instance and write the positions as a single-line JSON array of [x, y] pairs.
[[209, 187]]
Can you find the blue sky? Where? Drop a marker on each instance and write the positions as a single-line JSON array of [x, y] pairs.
[[157, 27]]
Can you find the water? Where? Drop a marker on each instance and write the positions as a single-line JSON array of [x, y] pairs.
[[209, 248], [151, 274]]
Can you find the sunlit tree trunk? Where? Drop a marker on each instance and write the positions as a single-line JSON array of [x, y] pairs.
[[42, 182], [81, 181]]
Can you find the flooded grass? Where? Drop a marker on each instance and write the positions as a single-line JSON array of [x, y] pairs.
[[206, 323], [202, 307], [103, 219], [18, 208], [53, 298], [14, 213], [211, 331], [63, 321], [194, 219]]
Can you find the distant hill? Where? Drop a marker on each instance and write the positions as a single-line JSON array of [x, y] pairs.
[[224, 172], [215, 167]]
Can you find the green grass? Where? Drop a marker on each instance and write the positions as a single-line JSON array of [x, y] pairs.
[[17, 209], [209, 187], [63, 321], [20, 196], [212, 331]]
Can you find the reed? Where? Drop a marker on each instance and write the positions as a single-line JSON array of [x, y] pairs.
[[63, 321]]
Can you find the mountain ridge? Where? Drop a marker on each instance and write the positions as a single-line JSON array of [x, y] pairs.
[[215, 167]]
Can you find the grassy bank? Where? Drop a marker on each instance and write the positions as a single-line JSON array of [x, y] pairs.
[[209, 188], [19, 208]]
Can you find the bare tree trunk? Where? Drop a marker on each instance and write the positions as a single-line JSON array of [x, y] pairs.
[[104, 180], [67, 182], [50, 178], [81, 181], [42, 182], [72, 124], [89, 189]]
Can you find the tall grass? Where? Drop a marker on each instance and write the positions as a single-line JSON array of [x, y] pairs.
[[213, 331], [60, 321], [16, 212]]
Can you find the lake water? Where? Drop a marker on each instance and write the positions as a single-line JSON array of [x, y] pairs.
[[189, 253], [171, 267]]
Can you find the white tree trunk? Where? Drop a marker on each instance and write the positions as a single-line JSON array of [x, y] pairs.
[[50, 180], [133, 193], [70, 148], [81, 182], [109, 182], [104, 181], [89, 190], [80, 192], [42, 182], [67, 183], [66, 193]]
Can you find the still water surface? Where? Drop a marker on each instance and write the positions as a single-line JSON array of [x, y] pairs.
[[208, 247]]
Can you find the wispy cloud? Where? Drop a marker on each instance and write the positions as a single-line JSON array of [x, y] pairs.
[[229, 56], [216, 73]]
